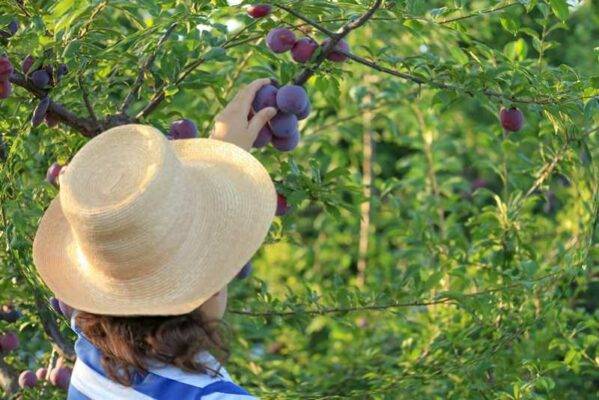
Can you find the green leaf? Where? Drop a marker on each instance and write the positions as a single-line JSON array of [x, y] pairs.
[[560, 9]]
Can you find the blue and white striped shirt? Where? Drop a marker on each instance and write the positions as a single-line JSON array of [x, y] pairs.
[[89, 381]]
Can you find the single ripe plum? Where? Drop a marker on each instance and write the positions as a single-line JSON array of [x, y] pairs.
[[282, 206], [266, 96], [40, 111], [245, 271], [303, 49], [336, 56], [183, 129], [6, 68], [280, 40], [13, 26], [292, 99], [52, 178], [259, 10], [5, 89], [61, 71], [27, 63], [9, 341], [61, 377], [287, 143], [264, 137], [512, 119], [305, 112], [283, 125], [40, 78], [41, 374], [27, 379]]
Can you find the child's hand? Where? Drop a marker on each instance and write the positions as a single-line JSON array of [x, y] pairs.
[[232, 125]]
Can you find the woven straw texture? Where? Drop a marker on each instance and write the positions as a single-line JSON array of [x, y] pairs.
[[147, 226]]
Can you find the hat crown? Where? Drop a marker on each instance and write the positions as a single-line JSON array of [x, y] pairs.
[[120, 195]]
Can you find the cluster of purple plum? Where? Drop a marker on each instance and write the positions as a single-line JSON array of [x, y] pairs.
[[41, 78], [281, 40], [6, 69], [292, 104], [59, 376]]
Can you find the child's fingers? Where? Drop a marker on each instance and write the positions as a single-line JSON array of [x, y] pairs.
[[260, 119]]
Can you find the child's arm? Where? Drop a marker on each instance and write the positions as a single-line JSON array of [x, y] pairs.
[[232, 125]]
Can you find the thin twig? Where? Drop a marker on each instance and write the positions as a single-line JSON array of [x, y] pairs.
[[144, 69], [478, 13], [307, 72], [88, 104], [307, 20]]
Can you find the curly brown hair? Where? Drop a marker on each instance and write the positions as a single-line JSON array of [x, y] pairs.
[[128, 344]]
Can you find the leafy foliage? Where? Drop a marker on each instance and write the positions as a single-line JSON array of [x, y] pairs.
[[479, 278]]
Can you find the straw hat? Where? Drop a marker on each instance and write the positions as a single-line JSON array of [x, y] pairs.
[[147, 226]]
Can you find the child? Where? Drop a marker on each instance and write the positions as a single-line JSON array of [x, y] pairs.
[[142, 241]]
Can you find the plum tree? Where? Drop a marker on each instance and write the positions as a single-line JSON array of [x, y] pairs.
[[512, 119], [5, 89], [41, 373], [183, 129], [40, 111], [264, 137], [282, 205], [27, 63], [280, 40], [259, 10], [265, 97], [9, 342], [336, 56], [52, 178], [292, 99], [286, 143], [6, 68], [245, 271], [40, 78], [303, 50], [283, 125], [61, 377], [27, 379]]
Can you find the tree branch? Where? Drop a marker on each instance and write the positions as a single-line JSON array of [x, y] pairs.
[[64, 348], [83, 125], [308, 21], [142, 72], [88, 104], [334, 39]]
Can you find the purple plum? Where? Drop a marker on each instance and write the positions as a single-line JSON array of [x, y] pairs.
[[280, 40], [303, 50], [52, 178], [245, 271], [41, 373], [266, 96], [292, 99], [287, 143], [512, 119], [336, 56], [183, 129], [27, 379], [27, 63], [40, 111], [305, 112], [264, 137], [40, 78], [259, 10], [5, 89], [9, 342], [61, 377], [283, 125], [282, 205]]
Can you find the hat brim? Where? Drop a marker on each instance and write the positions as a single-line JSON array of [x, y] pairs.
[[231, 216]]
